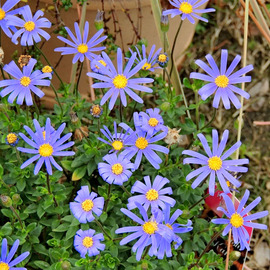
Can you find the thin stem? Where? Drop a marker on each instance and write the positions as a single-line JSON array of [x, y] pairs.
[[128, 193], [48, 62], [108, 199], [18, 156], [16, 214], [36, 107], [197, 109], [78, 81], [240, 116], [146, 251], [58, 101], [174, 42], [196, 203], [101, 227], [169, 88], [212, 119], [121, 111], [215, 236], [49, 190]]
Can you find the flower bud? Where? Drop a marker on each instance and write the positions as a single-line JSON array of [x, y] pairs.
[[165, 106], [66, 265], [145, 266], [6, 200], [164, 23], [235, 255], [74, 119], [99, 23], [16, 198]]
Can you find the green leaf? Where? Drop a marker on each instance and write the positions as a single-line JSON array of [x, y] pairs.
[[78, 173]]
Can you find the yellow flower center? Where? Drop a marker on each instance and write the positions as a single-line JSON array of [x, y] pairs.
[[162, 58], [150, 227], [236, 220], [82, 48], [117, 145], [29, 26], [2, 14], [169, 226], [96, 110], [215, 163], [11, 138], [87, 205], [25, 81], [222, 81], [151, 195], [88, 242], [4, 266], [46, 69], [117, 168], [45, 150], [146, 66], [186, 8], [101, 62], [152, 122], [228, 183], [120, 81], [141, 143]]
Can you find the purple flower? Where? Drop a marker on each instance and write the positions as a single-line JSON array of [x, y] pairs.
[[116, 170], [12, 139], [164, 244], [23, 83], [141, 143], [86, 242], [151, 59], [5, 13], [95, 67], [221, 81], [216, 164], [45, 147], [153, 195], [80, 46], [188, 9], [120, 82], [6, 262], [151, 121], [147, 231], [238, 219], [85, 204], [30, 25], [116, 140]]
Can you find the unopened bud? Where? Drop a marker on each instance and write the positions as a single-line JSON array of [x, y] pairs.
[[165, 106], [235, 255], [66, 265], [16, 198], [74, 118], [99, 23], [6, 200], [144, 266], [164, 23]]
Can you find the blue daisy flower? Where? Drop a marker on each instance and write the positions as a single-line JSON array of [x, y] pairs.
[[147, 231], [152, 194], [216, 164], [12, 139], [163, 59], [23, 83], [86, 204], [30, 27], [120, 82], [5, 12], [48, 70], [45, 148], [81, 46], [151, 121], [188, 9], [6, 262], [221, 81], [151, 59], [238, 219], [116, 170], [116, 140], [141, 143], [96, 110], [164, 245], [86, 242], [94, 65]]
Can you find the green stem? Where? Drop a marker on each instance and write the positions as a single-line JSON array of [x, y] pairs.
[[101, 227], [46, 59], [49, 190], [210, 122], [174, 42], [36, 107], [128, 193], [58, 101], [16, 214], [18, 156], [169, 88], [78, 81], [196, 203], [121, 111], [108, 199], [197, 109]]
